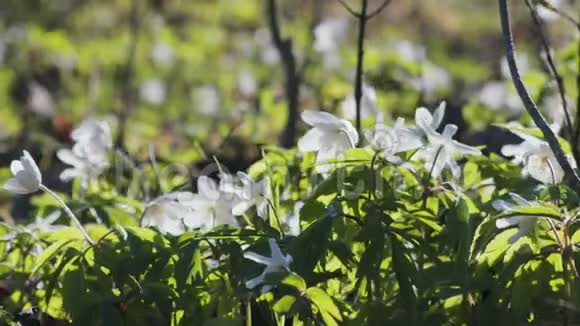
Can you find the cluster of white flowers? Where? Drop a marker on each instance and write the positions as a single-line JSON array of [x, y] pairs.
[[89, 156], [214, 204], [537, 158], [330, 136]]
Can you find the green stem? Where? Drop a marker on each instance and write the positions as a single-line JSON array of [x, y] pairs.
[[69, 213], [248, 313]]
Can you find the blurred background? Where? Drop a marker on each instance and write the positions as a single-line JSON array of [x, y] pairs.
[[198, 78]]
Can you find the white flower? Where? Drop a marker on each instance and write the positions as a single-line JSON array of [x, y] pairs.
[[89, 155], [440, 149], [211, 206], [430, 121], [206, 100], [523, 65], [167, 212], [94, 136], [329, 137], [329, 33], [27, 178], [550, 15], [162, 54], [247, 84], [268, 52], [389, 141], [368, 104], [537, 158], [153, 91], [81, 167], [409, 51], [525, 223], [251, 193], [497, 96], [554, 108], [327, 38], [40, 100], [433, 79], [277, 262]]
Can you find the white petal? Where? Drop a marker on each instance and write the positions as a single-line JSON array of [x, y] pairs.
[[207, 188], [438, 115], [69, 174], [516, 236], [519, 199], [449, 131], [502, 205], [14, 186], [258, 258], [423, 117], [465, 149], [250, 284], [321, 119], [455, 169], [351, 133], [241, 207], [311, 141], [275, 251], [30, 166], [507, 222], [16, 167], [68, 157]]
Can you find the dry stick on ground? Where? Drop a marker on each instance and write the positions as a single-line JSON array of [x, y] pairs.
[[570, 174], [363, 18], [284, 47], [127, 87], [553, 70]]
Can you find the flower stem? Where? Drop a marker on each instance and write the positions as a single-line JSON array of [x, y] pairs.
[[69, 213]]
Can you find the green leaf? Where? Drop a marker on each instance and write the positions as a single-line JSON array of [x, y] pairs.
[[284, 305], [49, 253], [294, 280], [328, 310], [404, 272]]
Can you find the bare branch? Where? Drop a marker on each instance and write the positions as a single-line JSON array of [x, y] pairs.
[[552, 66], [362, 22], [570, 175], [284, 47], [349, 9], [378, 10]]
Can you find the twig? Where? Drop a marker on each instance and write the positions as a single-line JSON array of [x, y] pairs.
[[571, 175], [552, 66], [284, 47], [562, 14], [127, 87], [379, 9], [349, 9]]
